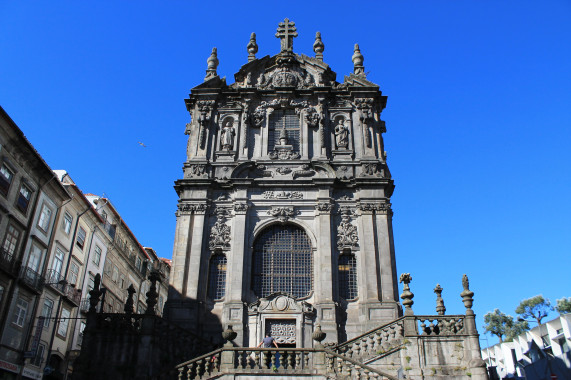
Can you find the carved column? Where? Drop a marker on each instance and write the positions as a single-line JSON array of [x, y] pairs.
[[180, 253], [368, 290]]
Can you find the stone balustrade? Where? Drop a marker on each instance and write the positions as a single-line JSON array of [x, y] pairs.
[[437, 325], [377, 342]]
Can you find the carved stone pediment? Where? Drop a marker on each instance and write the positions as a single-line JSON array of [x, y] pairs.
[[280, 303]]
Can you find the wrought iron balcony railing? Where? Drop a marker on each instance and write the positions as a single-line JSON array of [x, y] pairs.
[[8, 262], [56, 280], [32, 279]]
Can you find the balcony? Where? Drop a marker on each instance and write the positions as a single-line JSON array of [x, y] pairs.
[[56, 281], [72, 294], [32, 279], [8, 263], [84, 305]]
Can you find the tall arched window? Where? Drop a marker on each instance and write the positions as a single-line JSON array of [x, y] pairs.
[[217, 277], [347, 276], [282, 262]]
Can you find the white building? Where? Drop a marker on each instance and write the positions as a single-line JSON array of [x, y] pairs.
[[536, 354]]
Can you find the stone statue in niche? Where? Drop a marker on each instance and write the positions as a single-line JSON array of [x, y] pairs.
[[227, 135], [341, 134]]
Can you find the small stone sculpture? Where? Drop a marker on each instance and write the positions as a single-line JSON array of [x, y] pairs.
[[286, 32], [440, 309], [467, 295], [358, 60], [227, 135], [406, 295], [341, 135], [129, 303]]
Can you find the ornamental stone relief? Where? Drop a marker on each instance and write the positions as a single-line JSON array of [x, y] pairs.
[[347, 236], [283, 213], [282, 195], [371, 169], [370, 207], [324, 207], [192, 207], [196, 171], [241, 207], [220, 232]]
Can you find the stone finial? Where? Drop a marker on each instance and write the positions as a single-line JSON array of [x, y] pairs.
[[229, 334], [440, 308], [283, 136], [467, 295], [152, 294], [129, 303], [94, 294], [406, 295], [318, 335], [286, 32], [212, 64], [318, 46], [358, 60], [252, 48]]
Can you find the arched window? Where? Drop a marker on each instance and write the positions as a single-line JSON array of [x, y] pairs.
[[217, 277], [282, 262], [347, 276]]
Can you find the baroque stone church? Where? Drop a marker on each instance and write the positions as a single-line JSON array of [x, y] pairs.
[[284, 214], [284, 227]]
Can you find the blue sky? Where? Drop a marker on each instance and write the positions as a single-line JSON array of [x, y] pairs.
[[478, 118]]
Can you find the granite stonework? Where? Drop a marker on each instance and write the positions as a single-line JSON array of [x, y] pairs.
[[323, 175]]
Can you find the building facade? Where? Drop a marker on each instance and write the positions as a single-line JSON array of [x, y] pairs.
[[536, 354], [284, 218]]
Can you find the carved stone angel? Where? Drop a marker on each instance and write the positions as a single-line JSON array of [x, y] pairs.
[[341, 135], [227, 136]]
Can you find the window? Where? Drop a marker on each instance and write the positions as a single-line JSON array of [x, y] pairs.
[[63, 323], [103, 215], [217, 277], [6, 176], [564, 345], [80, 238], [286, 120], [47, 311], [20, 312], [38, 359], [138, 263], [115, 276], [347, 277], [546, 341], [45, 217], [67, 221], [97, 255], [57, 263], [24, 198], [282, 262], [10, 242], [122, 282], [34, 258], [90, 283], [80, 336], [73, 273]]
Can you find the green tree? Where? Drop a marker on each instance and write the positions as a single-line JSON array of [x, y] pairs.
[[498, 323], [535, 307], [517, 328], [563, 305]]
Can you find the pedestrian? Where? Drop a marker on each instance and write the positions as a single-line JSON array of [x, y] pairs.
[[268, 341]]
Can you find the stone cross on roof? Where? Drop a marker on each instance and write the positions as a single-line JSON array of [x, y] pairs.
[[286, 32]]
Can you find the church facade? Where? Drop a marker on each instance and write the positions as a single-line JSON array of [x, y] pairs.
[[284, 218]]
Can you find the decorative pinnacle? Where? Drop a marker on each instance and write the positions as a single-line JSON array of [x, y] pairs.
[[318, 46], [212, 64], [467, 295], [440, 309], [252, 48], [406, 295], [286, 32], [358, 60]]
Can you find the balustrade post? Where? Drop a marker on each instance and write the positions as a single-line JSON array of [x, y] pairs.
[[319, 355], [228, 358]]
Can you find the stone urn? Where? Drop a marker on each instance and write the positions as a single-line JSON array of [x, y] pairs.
[[229, 334], [318, 335]]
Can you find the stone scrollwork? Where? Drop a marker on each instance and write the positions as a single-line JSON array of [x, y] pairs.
[[371, 169], [284, 155], [282, 195], [324, 207], [370, 207], [220, 232], [196, 171], [347, 236], [305, 171], [192, 207], [241, 207], [283, 213], [312, 117]]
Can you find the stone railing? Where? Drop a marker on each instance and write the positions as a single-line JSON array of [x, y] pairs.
[[239, 360], [346, 368], [276, 362], [379, 341], [440, 325]]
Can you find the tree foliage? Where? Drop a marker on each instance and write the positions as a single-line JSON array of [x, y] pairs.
[[500, 325], [563, 305], [535, 307]]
